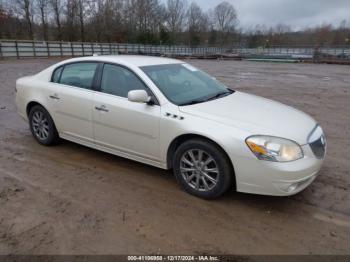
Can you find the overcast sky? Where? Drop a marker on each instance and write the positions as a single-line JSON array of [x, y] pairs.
[[297, 13]]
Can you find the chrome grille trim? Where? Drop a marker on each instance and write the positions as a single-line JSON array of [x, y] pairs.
[[317, 145]]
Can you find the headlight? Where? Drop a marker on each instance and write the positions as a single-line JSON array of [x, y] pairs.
[[275, 149]]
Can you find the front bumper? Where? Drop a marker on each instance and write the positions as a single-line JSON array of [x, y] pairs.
[[277, 179]]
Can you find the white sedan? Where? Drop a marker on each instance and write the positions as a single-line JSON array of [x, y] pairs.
[[169, 114]]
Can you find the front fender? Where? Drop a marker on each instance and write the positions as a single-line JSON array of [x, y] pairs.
[[230, 139]]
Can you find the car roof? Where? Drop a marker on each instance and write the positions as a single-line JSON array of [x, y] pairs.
[[135, 60]]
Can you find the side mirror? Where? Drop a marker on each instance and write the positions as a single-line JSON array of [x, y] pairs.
[[139, 96]]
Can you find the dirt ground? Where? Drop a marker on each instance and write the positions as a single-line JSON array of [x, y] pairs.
[[70, 199]]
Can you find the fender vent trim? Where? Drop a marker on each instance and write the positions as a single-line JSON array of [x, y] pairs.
[[174, 116]]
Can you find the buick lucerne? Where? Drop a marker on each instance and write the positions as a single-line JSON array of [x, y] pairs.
[[169, 114]]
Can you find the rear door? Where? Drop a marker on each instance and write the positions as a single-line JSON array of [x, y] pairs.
[[71, 98]]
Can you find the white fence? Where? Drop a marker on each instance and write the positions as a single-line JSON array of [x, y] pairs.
[[296, 52], [30, 49]]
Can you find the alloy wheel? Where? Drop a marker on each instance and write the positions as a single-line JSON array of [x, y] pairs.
[[199, 169], [40, 125]]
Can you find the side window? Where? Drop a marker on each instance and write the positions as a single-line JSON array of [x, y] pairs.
[[117, 80], [56, 74], [79, 75]]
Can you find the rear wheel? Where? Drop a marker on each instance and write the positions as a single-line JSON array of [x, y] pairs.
[[42, 126], [202, 169]]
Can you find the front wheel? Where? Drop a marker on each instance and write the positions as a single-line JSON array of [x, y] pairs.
[[202, 169], [42, 126]]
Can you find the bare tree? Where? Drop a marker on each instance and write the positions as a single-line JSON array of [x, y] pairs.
[[175, 14], [107, 20], [42, 7], [225, 17], [97, 20], [197, 23], [323, 33], [82, 13], [3, 18], [341, 34], [113, 20], [70, 26], [25, 9], [57, 7], [151, 21], [147, 14], [143, 19]]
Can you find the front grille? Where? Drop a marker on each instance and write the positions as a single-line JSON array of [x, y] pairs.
[[319, 147]]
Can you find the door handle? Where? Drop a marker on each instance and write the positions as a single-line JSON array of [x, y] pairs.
[[54, 96], [102, 108]]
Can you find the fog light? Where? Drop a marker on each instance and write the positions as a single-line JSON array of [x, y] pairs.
[[288, 187], [292, 187]]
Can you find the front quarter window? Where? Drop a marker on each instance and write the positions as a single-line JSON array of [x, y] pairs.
[[118, 81], [56, 75], [183, 84]]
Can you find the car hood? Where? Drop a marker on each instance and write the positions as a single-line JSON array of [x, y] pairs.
[[257, 115]]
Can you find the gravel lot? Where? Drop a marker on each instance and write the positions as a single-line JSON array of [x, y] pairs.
[[70, 199]]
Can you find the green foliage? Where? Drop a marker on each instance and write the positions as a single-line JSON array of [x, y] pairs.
[[147, 37], [165, 37], [213, 37]]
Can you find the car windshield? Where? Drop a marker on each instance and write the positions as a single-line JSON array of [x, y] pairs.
[[183, 84]]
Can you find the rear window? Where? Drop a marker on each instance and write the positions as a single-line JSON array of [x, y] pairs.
[[78, 74]]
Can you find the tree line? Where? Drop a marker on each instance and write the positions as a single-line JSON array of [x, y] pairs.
[[141, 21], [151, 22], [283, 35]]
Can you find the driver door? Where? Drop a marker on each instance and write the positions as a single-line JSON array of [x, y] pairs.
[[128, 128]]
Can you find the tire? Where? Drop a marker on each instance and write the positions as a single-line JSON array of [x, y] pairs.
[[42, 126], [195, 157]]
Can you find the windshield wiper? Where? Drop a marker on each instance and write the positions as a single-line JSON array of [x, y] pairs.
[[193, 102], [218, 95]]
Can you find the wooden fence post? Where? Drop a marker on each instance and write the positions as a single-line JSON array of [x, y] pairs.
[[1, 55], [17, 53], [61, 51], [72, 48], [34, 50], [48, 48], [82, 48]]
